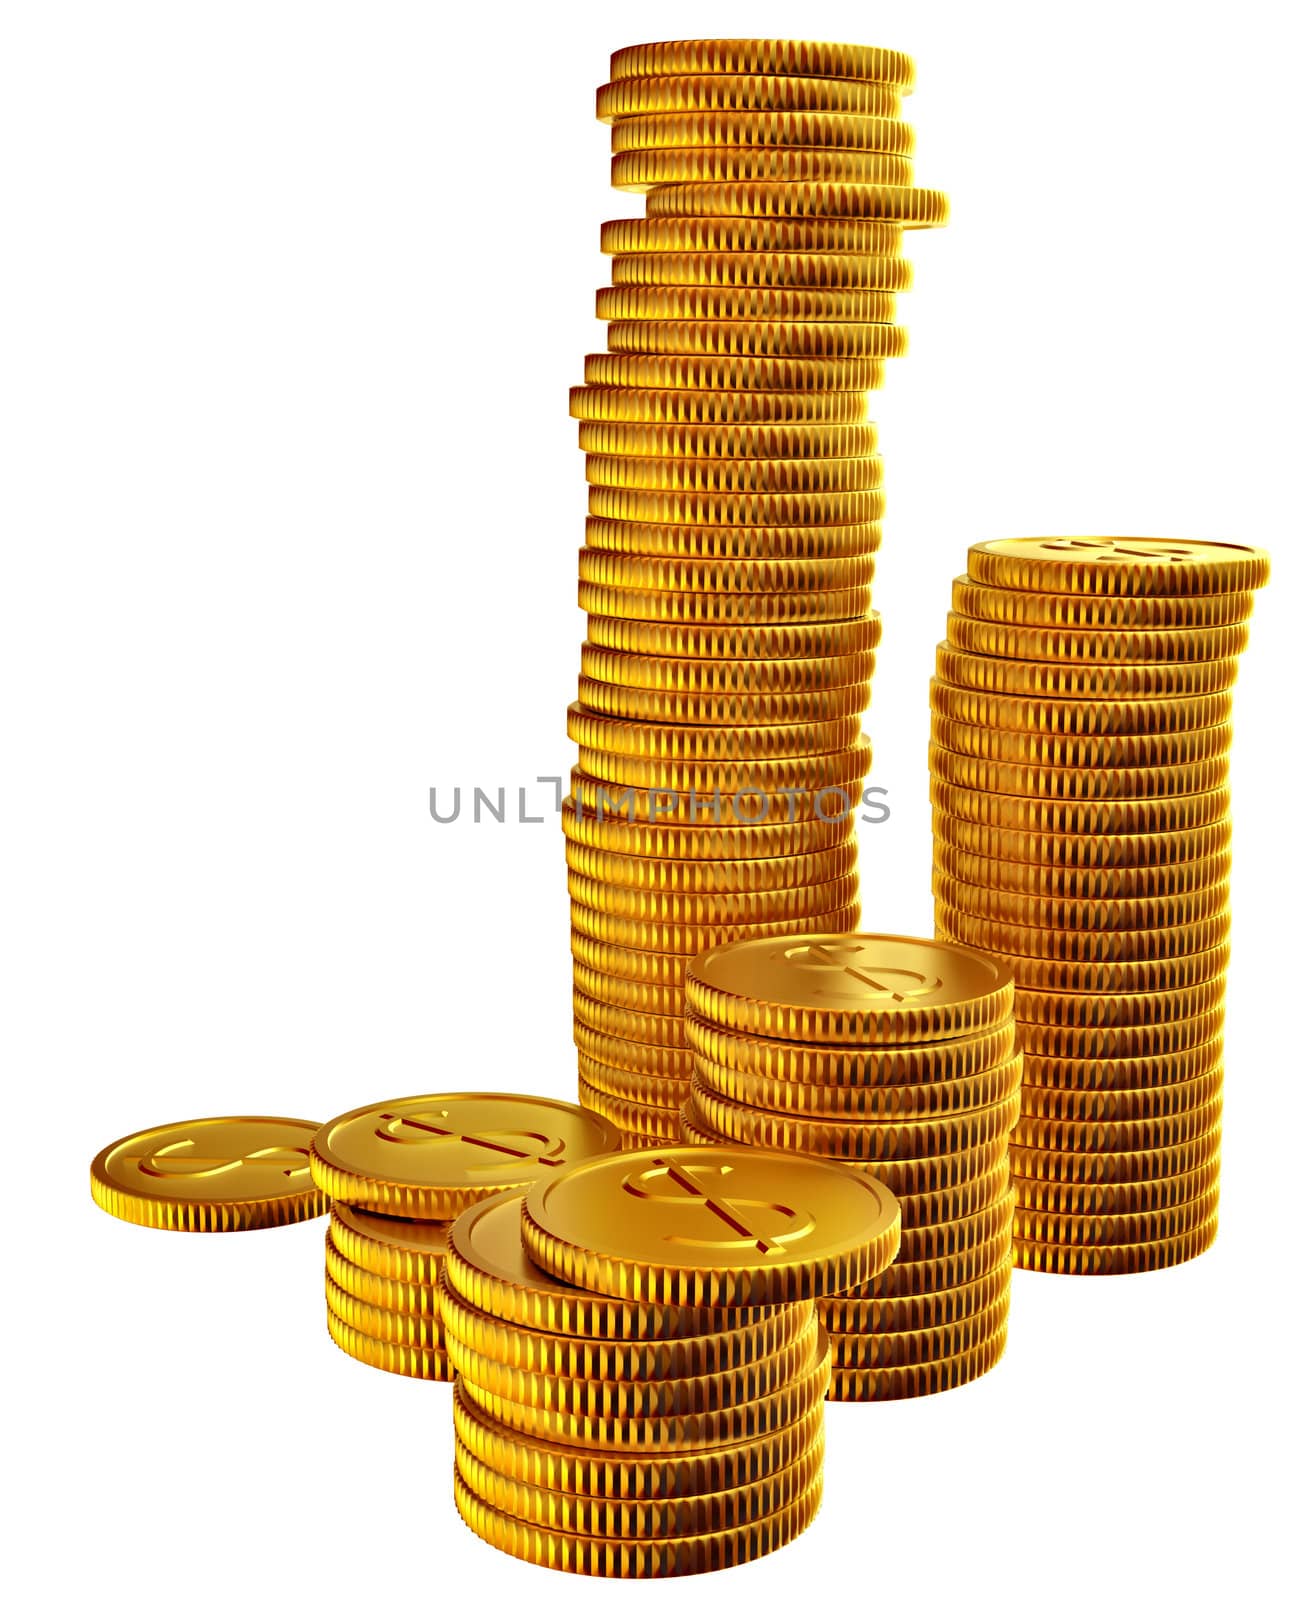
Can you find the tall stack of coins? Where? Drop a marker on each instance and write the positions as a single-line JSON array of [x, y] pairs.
[[641, 1371], [735, 503], [1081, 725], [895, 1057], [396, 1173]]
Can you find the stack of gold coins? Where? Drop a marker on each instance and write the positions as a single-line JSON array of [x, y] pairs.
[[641, 1371], [735, 502], [1079, 768], [396, 1173], [895, 1057]]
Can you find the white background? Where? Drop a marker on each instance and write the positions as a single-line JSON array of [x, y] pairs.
[[293, 297]]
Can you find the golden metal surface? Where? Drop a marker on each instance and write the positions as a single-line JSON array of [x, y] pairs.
[[1092, 751], [1085, 784], [781, 57], [643, 1126], [1084, 680], [714, 1227], [1071, 718], [388, 1247], [765, 269], [608, 405], [640, 171], [1074, 914], [870, 988], [640, 1477], [720, 710], [793, 441], [652, 371], [768, 130], [1124, 1023], [714, 545], [1010, 883], [432, 1155], [689, 938], [700, 841], [832, 341], [1111, 1199], [622, 1022], [408, 1361], [1019, 942], [1105, 977], [1121, 1105], [904, 1313], [400, 1295], [625, 736], [929, 1377], [410, 1330], [1115, 1258], [737, 474], [779, 1095], [740, 234], [652, 905], [758, 875], [1026, 608], [913, 208], [1089, 645], [658, 999], [1096, 1074], [1084, 851], [1119, 566], [1116, 1166], [730, 643], [1118, 1228], [752, 92], [210, 1175], [914, 1346]]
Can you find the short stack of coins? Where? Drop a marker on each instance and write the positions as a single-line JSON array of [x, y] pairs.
[[627, 1410], [895, 1057], [735, 502], [396, 1174], [1079, 781]]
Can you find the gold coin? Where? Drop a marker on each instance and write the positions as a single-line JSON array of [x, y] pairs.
[[395, 1248], [432, 1155], [730, 92], [644, 235], [873, 988], [1091, 784], [1128, 645], [1106, 915], [653, 905], [633, 1055], [627, 1398], [589, 1516], [834, 341], [658, 605], [1120, 1075], [926, 1377], [658, 999], [639, 1478], [908, 1312], [1097, 852], [856, 1067], [688, 938], [1107, 976], [1159, 814], [878, 202], [720, 877], [700, 842], [602, 403], [1017, 941], [667, 1434], [716, 710], [1034, 609], [210, 1175], [622, 1360], [1114, 1166], [1045, 1133], [729, 1228], [912, 1346], [737, 474], [1106, 718], [929, 1210], [489, 1270], [768, 130], [677, 741], [408, 1361], [1056, 750], [636, 1558], [765, 269], [940, 1274], [807, 773], [1113, 1258], [723, 577], [890, 1102], [640, 171], [415, 1331], [651, 371], [643, 1126], [619, 1022], [636, 1089], [1119, 566], [391, 1294], [794, 441], [1127, 1227], [729, 658], [1084, 680], [755, 507], [852, 1141], [1083, 885], [1103, 1199], [1046, 1018], [715, 543], [630, 965], [783, 57], [958, 1234]]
